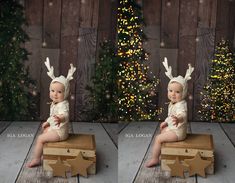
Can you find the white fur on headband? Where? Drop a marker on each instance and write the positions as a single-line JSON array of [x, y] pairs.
[[189, 72], [70, 72], [50, 68], [168, 69]]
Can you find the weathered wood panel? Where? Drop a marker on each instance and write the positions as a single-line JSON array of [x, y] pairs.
[[51, 23], [122, 125], [222, 20], [70, 18], [33, 46], [187, 42], [170, 23], [207, 13], [152, 12], [151, 46], [204, 53], [172, 55], [85, 70], [4, 125], [105, 17], [113, 24], [15, 142], [133, 143], [112, 130], [229, 129], [69, 44], [106, 154], [224, 153], [104, 29], [33, 12], [45, 81], [231, 25], [89, 13]]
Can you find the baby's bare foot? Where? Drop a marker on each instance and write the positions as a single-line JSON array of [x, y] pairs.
[[152, 162], [34, 163]]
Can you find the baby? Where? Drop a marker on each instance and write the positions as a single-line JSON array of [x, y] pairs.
[[174, 128], [56, 128]]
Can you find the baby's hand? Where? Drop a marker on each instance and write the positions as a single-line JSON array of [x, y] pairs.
[[45, 124], [57, 120], [163, 125], [175, 120]]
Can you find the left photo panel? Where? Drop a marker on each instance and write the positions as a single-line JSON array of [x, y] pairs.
[[58, 115]]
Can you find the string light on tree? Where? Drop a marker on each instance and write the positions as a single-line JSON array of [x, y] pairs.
[[50, 3], [135, 82], [218, 99], [44, 44], [168, 3], [162, 44]]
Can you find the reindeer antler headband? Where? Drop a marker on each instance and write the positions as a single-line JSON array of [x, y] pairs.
[[50, 72], [179, 79], [60, 79], [169, 70]]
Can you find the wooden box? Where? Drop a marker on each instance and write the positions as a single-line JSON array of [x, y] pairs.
[[187, 149], [69, 149]]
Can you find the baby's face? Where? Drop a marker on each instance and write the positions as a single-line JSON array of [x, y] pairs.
[[175, 92], [57, 92]]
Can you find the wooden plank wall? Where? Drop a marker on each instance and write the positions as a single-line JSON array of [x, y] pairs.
[[186, 31], [67, 32]]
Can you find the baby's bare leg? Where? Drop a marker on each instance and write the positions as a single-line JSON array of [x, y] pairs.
[[167, 136], [50, 136]]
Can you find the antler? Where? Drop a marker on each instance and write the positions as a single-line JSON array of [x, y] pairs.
[[189, 72], [168, 69], [50, 68], [70, 72]]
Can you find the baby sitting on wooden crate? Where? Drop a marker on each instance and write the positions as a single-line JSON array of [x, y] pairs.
[[56, 128], [174, 128]]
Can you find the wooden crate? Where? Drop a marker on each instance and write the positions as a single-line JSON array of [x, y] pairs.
[[69, 149], [187, 149]]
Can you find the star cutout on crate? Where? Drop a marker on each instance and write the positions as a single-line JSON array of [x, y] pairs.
[[197, 165], [59, 168], [79, 165], [177, 168]]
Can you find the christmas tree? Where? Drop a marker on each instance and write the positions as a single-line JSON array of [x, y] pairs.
[[136, 84], [218, 99], [104, 85], [16, 88]]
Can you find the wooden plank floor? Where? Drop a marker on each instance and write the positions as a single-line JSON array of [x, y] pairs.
[[17, 140], [134, 150], [120, 158]]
